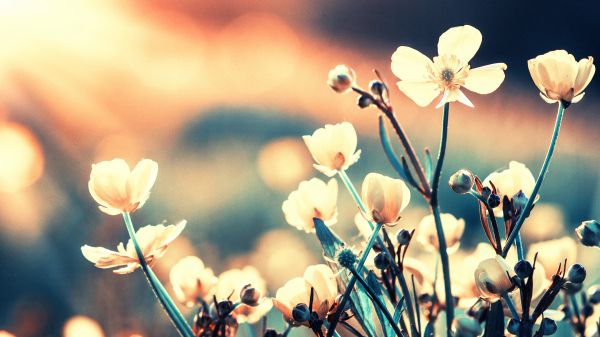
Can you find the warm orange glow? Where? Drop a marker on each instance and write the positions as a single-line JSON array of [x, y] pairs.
[[4, 333], [21, 158], [78, 326], [283, 163]]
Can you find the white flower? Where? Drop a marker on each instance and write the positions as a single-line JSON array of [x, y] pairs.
[[333, 147], [153, 241], [341, 78], [560, 77], [453, 230], [384, 197], [191, 280], [423, 80], [492, 278], [118, 189], [312, 199], [510, 181], [230, 285], [297, 290]]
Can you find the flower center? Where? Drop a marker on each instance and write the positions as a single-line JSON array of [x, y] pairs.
[[447, 75]]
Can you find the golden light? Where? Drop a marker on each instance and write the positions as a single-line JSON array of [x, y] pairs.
[[283, 163], [21, 158], [4, 333], [78, 326]]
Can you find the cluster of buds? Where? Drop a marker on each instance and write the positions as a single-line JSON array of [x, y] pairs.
[[342, 79]]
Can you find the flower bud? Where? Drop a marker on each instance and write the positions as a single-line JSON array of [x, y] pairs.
[[364, 101], [376, 87], [587, 310], [513, 326], [346, 258], [572, 288], [250, 295], [341, 78], [548, 326], [494, 200], [383, 260], [523, 269], [588, 233], [462, 181], [491, 278], [301, 313], [593, 294], [576, 273], [520, 200], [403, 237], [270, 333], [466, 326]]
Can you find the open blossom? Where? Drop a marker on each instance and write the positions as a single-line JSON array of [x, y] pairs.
[[553, 253], [333, 147], [492, 278], [341, 78], [191, 280], [384, 197], [297, 290], [422, 79], [453, 231], [118, 189], [312, 199], [560, 77], [517, 178], [230, 285], [153, 241]]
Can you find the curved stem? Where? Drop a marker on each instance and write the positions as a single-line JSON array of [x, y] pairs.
[[161, 293], [517, 227], [435, 209], [377, 301]]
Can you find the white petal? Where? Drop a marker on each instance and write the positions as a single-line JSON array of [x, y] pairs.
[[462, 41], [464, 99], [584, 74], [409, 64], [486, 79], [421, 92]]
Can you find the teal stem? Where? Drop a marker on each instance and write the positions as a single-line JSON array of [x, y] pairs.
[[510, 305], [409, 306], [576, 312], [538, 184], [287, 330], [519, 244], [377, 301], [161, 293], [435, 209]]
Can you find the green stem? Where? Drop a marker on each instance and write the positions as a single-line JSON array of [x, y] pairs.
[[161, 293], [517, 227], [510, 305], [377, 301], [435, 209]]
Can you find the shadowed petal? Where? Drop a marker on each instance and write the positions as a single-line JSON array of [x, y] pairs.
[[421, 92], [486, 79]]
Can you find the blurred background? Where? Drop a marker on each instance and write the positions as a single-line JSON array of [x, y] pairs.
[[219, 94]]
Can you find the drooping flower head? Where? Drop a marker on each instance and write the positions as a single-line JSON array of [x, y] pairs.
[[422, 79], [517, 178], [153, 241], [191, 280], [118, 189], [492, 278], [230, 285], [333, 147], [312, 199], [453, 231], [560, 77], [384, 197], [297, 290]]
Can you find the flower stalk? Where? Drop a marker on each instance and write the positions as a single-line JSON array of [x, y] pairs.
[[161, 293], [538, 184]]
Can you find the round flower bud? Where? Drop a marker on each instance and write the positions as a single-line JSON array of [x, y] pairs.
[[513, 326], [494, 200], [383, 260], [341, 78], [466, 326], [594, 294], [270, 333], [491, 278], [346, 258], [364, 101], [587, 310], [588, 233], [576, 273], [548, 327], [403, 237], [376, 87], [523, 269], [301, 313], [250, 295], [462, 181], [520, 200]]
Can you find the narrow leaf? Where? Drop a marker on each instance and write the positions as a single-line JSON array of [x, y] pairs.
[[376, 287]]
